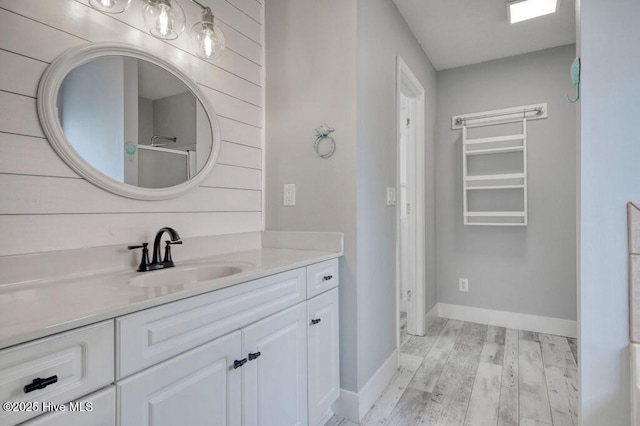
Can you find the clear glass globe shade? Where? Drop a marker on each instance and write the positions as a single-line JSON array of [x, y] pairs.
[[110, 6], [208, 40], [163, 18]]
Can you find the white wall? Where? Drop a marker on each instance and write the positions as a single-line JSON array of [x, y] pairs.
[[529, 270], [46, 206], [334, 63], [382, 36], [96, 132], [311, 80], [610, 177]]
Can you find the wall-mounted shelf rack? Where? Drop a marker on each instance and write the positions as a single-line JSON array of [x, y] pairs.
[[497, 145], [496, 197]]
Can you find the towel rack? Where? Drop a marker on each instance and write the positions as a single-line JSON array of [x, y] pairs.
[[499, 197]]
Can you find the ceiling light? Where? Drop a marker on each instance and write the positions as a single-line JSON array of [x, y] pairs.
[[521, 10]]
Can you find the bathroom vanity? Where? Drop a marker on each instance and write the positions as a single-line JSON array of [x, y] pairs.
[[258, 346], [244, 332]]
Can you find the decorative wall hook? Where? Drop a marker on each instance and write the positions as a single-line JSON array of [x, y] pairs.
[[323, 132], [575, 78]]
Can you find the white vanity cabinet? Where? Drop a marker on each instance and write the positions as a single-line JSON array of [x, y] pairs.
[[72, 364], [96, 409], [263, 365], [275, 379], [263, 352], [199, 387], [324, 355], [258, 353]]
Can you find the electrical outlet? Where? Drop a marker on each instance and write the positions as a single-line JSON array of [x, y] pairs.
[[289, 194], [463, 284]]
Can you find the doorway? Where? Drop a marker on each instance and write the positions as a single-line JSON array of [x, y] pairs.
[[410, 241]]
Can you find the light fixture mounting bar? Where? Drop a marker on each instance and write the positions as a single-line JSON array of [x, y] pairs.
[[200, 5]]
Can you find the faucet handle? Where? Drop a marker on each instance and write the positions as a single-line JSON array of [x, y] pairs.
[[142, 246], [167, 252], [144, 262]]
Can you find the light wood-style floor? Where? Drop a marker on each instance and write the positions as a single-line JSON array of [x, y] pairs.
[[467, 374]]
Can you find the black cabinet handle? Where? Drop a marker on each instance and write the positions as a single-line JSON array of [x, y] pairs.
[[254, 355], [327, 277], [40, 383], [315, 321], [238, 364]]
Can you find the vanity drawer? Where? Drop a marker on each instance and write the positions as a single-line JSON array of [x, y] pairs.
[[97, 409], [82, 361], [321, 277], [149, 337]]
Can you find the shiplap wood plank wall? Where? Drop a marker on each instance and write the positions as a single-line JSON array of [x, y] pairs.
[[46, 206]]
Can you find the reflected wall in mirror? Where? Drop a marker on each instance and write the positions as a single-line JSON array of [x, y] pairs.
[[128, 121]]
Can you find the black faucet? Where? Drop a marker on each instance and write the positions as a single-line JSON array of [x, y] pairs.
[[156, 263]]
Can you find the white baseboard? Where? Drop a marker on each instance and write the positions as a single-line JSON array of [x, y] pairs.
[[354, 406], [346, 406], [635, 384], [539, 324], [324, 419]]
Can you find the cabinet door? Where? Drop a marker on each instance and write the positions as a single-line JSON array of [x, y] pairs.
[[275, 383], [197, 388], [324, 361]]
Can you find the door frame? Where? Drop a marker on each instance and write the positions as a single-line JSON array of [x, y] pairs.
[[410, 86]]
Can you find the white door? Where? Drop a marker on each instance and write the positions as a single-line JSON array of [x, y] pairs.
[[197, 388], [324, 362], [405, 179], [275, 378], [410, 252]]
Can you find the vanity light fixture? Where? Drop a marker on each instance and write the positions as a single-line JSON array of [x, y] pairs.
[[521, 10], [110, 6], [208, 39], [163, 18]]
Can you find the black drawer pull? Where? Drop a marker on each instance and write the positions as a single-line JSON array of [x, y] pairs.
[[238, 364], [315, 321], [327, 277], [254, 355], [40, 383]]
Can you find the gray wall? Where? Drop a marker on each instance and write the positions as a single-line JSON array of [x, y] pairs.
[[382, 36], [145, 119], [311, 79], [610, 176], [531, 269]]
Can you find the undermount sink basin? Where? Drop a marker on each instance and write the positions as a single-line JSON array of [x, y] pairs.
[[184, 275]]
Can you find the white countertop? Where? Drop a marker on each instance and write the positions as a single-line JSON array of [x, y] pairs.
[[31, 310]]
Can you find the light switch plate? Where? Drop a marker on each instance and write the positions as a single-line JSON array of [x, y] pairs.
[[289, 194], [391, 196]]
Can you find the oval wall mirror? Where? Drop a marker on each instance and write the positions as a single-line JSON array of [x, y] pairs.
[[127, 121]]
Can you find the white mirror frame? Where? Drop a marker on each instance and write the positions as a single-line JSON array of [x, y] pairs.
[[49, 87]]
